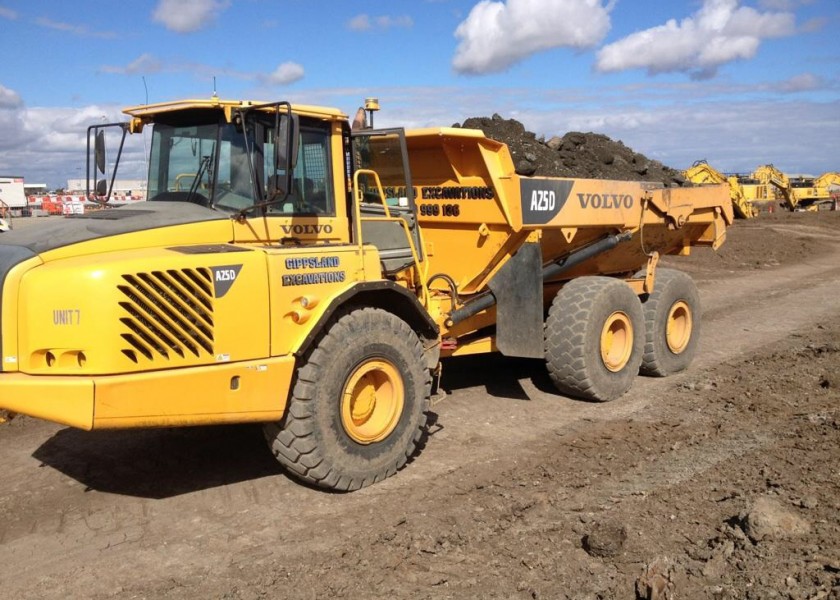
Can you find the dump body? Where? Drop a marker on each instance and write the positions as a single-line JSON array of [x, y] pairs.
[[476, 213]]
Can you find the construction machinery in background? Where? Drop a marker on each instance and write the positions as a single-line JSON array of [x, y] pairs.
[[5, 216], [827, 189], [701, 172], [800, 193], [290, 271], [754, 191], [783, 191]]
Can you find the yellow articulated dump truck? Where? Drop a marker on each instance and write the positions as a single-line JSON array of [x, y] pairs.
[[288, 270]]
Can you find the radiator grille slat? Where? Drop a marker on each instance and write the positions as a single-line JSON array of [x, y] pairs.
[[167, 315]]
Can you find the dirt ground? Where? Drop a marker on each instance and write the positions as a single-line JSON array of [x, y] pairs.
[[722, 482]]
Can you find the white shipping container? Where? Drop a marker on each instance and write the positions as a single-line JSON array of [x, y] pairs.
[[11, 192]]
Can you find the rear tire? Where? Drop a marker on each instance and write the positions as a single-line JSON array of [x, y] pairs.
[[594, 338], [672, 323], [358, 406]]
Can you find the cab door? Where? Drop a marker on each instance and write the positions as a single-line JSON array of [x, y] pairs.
[[389, 219]]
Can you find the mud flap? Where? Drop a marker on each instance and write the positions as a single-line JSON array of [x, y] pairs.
[[519, 310]]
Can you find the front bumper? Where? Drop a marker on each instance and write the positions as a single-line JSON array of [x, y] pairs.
[[250, 391]]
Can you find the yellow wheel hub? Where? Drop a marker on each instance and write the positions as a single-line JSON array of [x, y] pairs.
[[679, 326], [616, 341], [372, 401]]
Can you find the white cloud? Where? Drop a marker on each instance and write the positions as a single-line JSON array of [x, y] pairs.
[[49, 144], [286, 73], [720, 32], [143, 64], [12, 124], [806, 82], [79, 30], [8, 13], [783, 5], [360, 23], [365, 22], [732, 136], [814, 25], [735, 126], [497, 35], [186, 16], [9, 98]]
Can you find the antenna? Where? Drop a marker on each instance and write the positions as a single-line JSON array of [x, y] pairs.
[[215, 95]]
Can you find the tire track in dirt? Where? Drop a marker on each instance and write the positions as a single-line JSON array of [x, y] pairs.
[[53, 522]]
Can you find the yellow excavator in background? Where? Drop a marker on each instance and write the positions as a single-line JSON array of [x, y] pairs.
[[784, 191], [752, 189], [800, 193], [702, 172], [827, 187]]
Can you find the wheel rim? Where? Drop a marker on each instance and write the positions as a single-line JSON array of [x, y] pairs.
[[616, 341], [372, 401], [679, 327]]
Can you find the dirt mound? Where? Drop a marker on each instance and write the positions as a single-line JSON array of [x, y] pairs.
[[576, 154]]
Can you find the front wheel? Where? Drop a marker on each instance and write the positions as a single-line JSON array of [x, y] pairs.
[[358, 406], [594, 338]]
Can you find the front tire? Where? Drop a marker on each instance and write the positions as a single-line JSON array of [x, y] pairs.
[[358, 406], [594, 338]]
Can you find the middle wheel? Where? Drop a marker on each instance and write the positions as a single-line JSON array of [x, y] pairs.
[[594, 338]]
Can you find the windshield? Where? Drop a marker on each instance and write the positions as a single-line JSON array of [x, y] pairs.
[[181, 163], [209, 164]]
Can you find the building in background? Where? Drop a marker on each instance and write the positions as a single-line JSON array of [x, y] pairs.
[[124, 189], [11, 192], [34, 188]]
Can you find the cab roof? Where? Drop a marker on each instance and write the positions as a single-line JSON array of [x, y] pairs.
[[146, 112]]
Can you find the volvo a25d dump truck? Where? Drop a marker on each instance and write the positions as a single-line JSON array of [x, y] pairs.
[[289, 271]]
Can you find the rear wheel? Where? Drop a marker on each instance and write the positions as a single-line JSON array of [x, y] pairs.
[[672, 323], [594, 337], [358, 406]]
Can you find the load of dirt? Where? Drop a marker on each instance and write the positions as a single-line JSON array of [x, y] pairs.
[[576, 154]]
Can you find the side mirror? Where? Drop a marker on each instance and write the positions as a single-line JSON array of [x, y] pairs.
[[286, 143], [99, 152], [95, 163]]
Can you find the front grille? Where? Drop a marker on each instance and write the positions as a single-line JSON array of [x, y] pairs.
[[167, 314]]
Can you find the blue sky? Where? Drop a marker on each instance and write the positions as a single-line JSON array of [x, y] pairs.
[[737, 83]]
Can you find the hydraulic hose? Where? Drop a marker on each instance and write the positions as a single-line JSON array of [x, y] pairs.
[[487, 299]]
